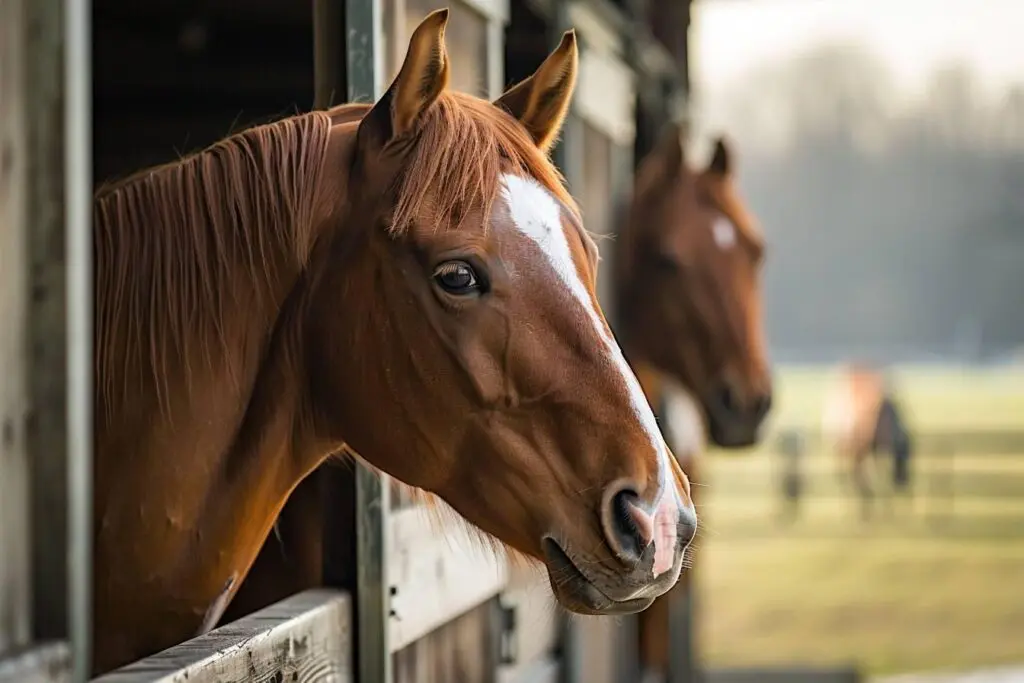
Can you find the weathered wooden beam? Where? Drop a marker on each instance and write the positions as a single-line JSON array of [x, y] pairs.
[[307, 637], [47, 343], [783, 675], [79, 286], [50, 663], [435, 574], [15, 303]]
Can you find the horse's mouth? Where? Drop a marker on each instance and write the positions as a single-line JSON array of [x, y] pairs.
[[577, 593], [727, 432]]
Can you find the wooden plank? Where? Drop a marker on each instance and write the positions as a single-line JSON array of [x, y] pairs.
[[602, 643], [307, 637], [783, 675], [78, 263], [544, 670], [15, 622], [47, 435], [463, 650], [538, 620], [50, 663], [436, 573]]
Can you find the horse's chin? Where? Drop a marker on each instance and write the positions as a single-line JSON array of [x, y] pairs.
[[725, 437], [732, 434], [576, 593]]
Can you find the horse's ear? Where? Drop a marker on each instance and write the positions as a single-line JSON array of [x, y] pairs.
[[721, 158], [541, 101], [423, 76], [672, 151]]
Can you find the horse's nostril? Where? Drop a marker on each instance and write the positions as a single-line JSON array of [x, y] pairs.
[[762, 404], [631, 529], [729, 399]]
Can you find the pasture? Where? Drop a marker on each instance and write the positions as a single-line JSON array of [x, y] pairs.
[[937, 584]]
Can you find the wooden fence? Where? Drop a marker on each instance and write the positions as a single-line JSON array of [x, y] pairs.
[[422, 606]]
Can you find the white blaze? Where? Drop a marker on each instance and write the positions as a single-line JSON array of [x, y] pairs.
[[724, 233], [537, 214]]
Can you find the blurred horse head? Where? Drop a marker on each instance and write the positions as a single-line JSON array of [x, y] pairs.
[[689, 287]]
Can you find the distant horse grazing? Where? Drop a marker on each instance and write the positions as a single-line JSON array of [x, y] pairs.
[[688, 286], [410, 282], [860, 419]]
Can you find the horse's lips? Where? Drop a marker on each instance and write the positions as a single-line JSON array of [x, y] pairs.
[[570, 585]]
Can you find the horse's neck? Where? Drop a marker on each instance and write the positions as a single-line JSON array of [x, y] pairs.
[[186, 497], [194, 465]]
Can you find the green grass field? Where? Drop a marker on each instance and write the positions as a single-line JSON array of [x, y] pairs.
[[939, 584]]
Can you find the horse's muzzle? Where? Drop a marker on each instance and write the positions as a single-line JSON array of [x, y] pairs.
[[735, 419]]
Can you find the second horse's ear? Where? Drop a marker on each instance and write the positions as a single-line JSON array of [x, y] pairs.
[[423, 76], [541, 101], [721, 158]]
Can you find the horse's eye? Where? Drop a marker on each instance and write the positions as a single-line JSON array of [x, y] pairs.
[[457, 277]]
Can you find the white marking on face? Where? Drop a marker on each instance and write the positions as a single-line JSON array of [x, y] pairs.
[[685, 419], [724, 233], [538, 215]]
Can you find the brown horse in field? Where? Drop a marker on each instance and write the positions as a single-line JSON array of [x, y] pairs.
[[690, 322], [409, 282], [860, 419]]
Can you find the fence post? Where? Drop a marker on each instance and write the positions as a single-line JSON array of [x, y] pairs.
[[373, 657], [347, 69], [46, 338], [79, 321]]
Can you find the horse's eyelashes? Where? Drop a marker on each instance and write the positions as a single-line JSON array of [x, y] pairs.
[[458, 278]]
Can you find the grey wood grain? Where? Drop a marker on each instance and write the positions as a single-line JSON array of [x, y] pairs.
[[304, 638], [49, 663]]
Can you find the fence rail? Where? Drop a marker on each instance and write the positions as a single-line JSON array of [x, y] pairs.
[[307, 637]]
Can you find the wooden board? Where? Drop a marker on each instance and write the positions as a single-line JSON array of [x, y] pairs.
[[783, 675], [463, 650], [50, 663], [14, 482], [307, 637], [546, 670], [437, 572], [538, 624]]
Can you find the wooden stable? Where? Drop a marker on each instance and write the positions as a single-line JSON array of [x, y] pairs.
[[400, 602]]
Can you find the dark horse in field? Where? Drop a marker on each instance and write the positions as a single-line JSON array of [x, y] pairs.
[[409, 282], [862, 421]]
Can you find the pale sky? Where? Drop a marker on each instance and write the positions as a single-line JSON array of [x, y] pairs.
[[913, 37]]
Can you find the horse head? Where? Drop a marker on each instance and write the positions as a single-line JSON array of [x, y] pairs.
[[690, 291], [473, 359]]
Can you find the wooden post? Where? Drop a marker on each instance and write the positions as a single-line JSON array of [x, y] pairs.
[[47, 333], [373, 656], [45, 338], [15, 615], [78, 202], [347, 69]]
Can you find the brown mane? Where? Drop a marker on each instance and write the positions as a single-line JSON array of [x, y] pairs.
[[163, 267]]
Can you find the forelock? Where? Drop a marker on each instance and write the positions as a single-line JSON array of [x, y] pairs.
[[463, 146]]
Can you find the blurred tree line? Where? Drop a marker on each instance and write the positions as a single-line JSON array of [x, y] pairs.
[[895, 224]]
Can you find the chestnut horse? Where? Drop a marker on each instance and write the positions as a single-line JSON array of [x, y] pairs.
[[688, 286], [409, 282], [861, 419]]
